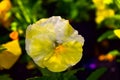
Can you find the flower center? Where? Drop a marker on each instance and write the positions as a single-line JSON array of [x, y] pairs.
[[59, 48]]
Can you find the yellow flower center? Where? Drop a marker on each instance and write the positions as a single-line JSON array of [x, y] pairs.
[[59, 49]]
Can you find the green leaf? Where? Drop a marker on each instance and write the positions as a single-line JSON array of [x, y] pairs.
[[2, 48], [73, 77], [50, 75], [117, 2], [114, 52], [35, 11], [5, 77], [70, 74], [44, 78], [118, 60], [107, 35], [116, 16], [111, 22], [25, 11], [46, 72], [14, 26], [97, 74], [37, 78]]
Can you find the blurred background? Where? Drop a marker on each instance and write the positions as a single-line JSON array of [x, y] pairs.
[[98, 21]]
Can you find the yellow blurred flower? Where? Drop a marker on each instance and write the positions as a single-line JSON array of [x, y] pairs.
[[117, 32], [101, 4], [103, 14], [5, 6], [9, 56], [54, 44], [102, 10], [107, 1]]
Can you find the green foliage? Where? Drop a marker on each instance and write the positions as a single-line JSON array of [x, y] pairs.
[[111, 23], [71, 9], [118, 60], [5, 77], [115, 53], [97, 74], [48, 75], [26, 13], [107, 35], [117, 3], [51, 78]]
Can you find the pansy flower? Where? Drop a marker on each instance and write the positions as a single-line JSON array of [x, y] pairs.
[[54, 44], [103, 14]]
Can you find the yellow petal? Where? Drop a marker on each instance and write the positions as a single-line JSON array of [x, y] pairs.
[[65, 56], [99, 19], [117, 32], [103, 14], [5, 5], [10, 56], [54, 64], [13, 47], [39, 47], [107, 1], [101, 4]]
